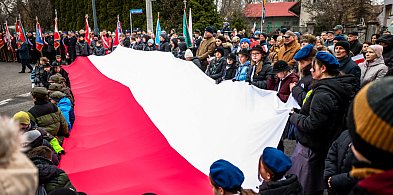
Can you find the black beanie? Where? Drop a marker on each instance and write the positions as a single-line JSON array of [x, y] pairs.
[[344, 44], [221, 50]]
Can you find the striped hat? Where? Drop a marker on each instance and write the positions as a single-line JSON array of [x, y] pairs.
[[370, 120]]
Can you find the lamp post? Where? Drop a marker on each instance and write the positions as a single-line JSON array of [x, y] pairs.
[[149, 15], [96, 31]]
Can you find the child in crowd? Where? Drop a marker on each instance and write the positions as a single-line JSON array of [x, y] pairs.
[[273, 165], [244, 64], [281, 83], [229, 69], [216, 67]]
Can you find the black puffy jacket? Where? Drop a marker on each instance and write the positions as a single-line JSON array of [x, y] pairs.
[[52, 177], [216, 68], [290, 185], [259, 79], [338, 164], [299, 91], [321, 118]]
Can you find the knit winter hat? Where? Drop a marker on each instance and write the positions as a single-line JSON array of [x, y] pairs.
[[344, 44], [22, 118], [32, 139], [370, 121], [378, 49], [188, 54], [220, 50]]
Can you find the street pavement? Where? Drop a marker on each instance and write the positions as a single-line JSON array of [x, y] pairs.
[[14, 89]]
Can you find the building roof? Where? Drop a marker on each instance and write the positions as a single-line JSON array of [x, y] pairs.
[[272, 9]]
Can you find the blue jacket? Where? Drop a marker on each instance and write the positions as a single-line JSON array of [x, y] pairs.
[[241, 72], [65, 106]]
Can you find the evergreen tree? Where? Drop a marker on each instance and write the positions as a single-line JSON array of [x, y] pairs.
[[204, 14]]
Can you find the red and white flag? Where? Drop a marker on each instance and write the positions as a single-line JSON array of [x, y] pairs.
[[56, 35], [358, 58], [155, 130], [118, 31], [8, 36], [87, 30]]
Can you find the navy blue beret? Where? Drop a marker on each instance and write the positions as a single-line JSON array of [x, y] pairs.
[[276, 160], [226, 175], [304, 52], [327, 59], [340, 38]]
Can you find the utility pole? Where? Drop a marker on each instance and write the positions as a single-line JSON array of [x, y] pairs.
[[149, 15], [96, 31]]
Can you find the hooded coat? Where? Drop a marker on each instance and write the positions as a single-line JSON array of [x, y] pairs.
[[50, 176], [64, 105], [371, 71]]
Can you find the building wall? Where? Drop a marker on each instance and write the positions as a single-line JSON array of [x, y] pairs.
[[305, 17], [385, 18], [273, 23]]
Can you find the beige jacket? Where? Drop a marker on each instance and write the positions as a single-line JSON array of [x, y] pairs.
[[287, 52], [206, 48], [19, 177]]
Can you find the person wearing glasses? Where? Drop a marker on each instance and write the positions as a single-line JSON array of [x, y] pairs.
[[260, 68], [288, 51]]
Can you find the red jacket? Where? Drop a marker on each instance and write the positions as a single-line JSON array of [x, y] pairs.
[[284, 92]]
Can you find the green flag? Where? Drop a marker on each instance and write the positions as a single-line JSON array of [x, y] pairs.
[[186, 34]]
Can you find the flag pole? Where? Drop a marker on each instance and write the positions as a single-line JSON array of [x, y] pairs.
[[262, 16]]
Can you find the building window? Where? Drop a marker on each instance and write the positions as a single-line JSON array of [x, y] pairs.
[[388, 12]]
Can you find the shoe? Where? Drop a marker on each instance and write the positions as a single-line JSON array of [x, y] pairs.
[[21, 72], [29, 71]]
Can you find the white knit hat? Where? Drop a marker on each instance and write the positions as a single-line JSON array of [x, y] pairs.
[[188, 54]]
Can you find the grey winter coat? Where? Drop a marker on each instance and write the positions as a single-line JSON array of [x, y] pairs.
[[371, 71]]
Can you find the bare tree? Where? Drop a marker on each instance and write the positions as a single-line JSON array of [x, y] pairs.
[[327, 13]]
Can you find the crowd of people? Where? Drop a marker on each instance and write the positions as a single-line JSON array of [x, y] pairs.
[[343, 130]]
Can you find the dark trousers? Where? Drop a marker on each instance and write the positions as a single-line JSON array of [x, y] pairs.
[[24, 64]]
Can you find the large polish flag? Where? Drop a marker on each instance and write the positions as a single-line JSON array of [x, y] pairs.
[[148, 122]]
